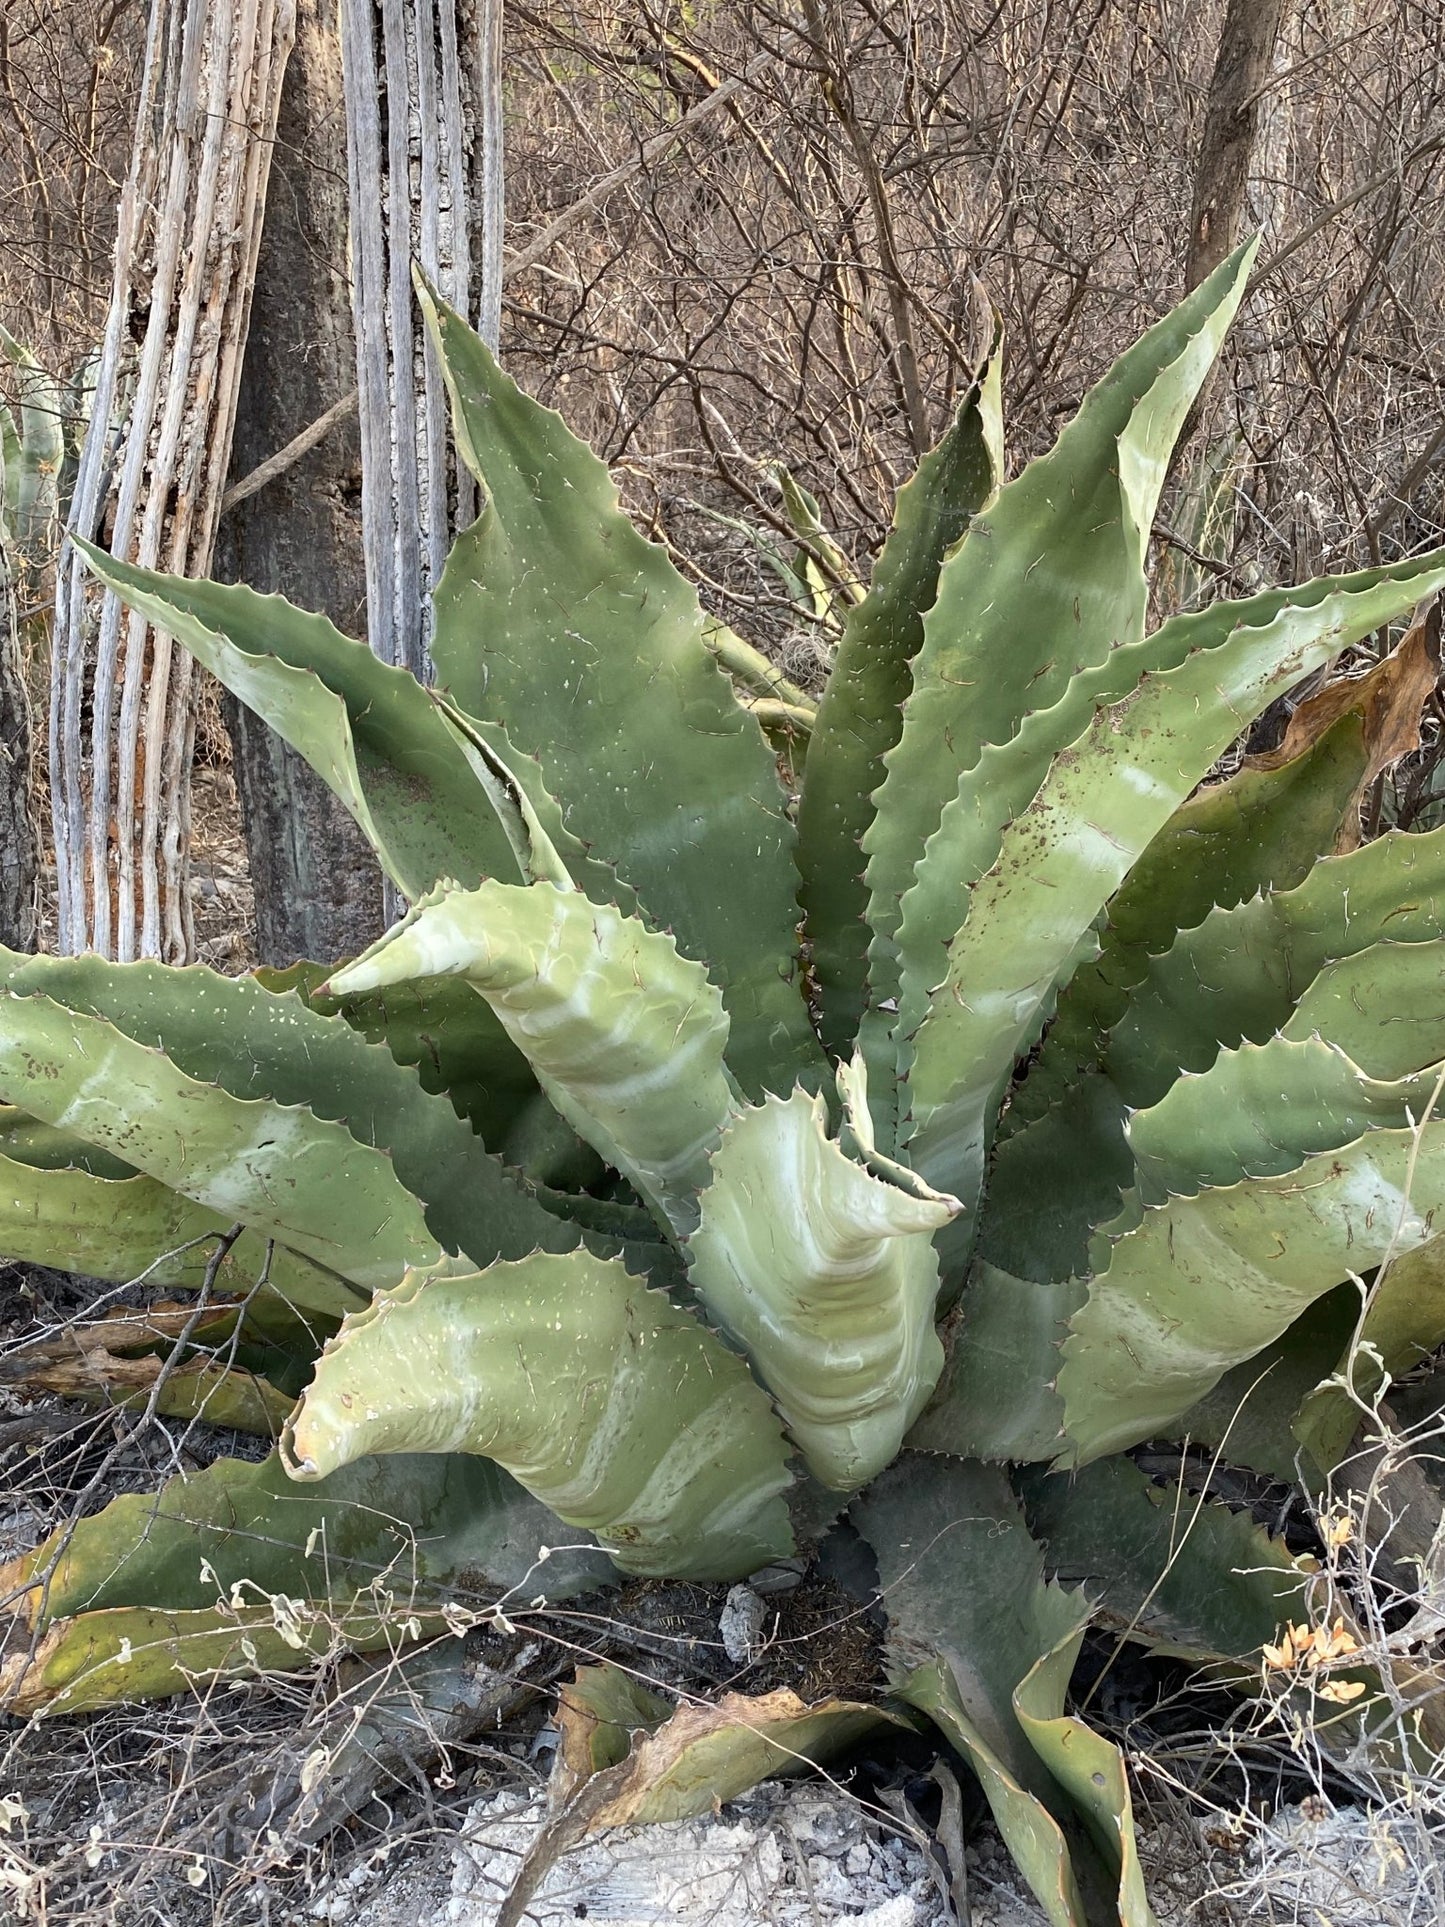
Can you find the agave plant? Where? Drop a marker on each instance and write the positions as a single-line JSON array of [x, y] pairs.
[[694, 1165]]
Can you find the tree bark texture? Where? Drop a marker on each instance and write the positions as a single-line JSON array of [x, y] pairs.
[[411, 77], [1231, 123], [318, 889], [18, 853], [153, 467]]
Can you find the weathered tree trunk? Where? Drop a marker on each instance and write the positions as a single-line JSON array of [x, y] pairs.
[[17, 818], [122, 704], [318, 889], [410, 138], [1231, 123]]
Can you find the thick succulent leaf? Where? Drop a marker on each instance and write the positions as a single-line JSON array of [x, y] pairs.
[[996, 1399], [1262, 828], [1032, 1834], [155, 1590], [960, 1579], [237, 1034], [1261, 1110], [1101, 804], [652, 1434], [279, 1169], [369, 730], [556, 619], [1007, 776], [969, 1615], [1090, 1769], [826, 1277], [130, 1653], [1203, 1283], [1383, 1007], [1055, 1181], [134, 1229], [625, 1035], [1184, 1574], [530, 815], [26, 1140], [1399, 1326], [1238, 975], [860, 714], [440, 1028], [1046, 583]]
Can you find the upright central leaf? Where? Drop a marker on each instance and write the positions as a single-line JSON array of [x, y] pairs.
[[860, 714], [558, 620], [1048, 581], [826, 1276], [626, 1037]]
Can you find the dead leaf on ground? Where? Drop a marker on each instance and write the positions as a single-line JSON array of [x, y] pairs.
[[621, 1761]]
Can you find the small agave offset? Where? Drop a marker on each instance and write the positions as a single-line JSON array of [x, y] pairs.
[[696, 1163]]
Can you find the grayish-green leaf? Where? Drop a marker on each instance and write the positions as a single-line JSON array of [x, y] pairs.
[[557, 620], [860, 714], [1101, 804], [1261, 1110], [1182, 1573], [651, 1434], [137, 1230], [625, 1035], [1046, 583], [826, 1277], [369, 730], [1203, 1283], [280, 1169], [1238, 975], [255, 1043]]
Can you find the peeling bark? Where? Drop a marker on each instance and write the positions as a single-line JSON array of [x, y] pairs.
[[318, 888], [122, 720]]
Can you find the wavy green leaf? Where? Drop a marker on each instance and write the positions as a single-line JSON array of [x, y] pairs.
[[963, 1587], [860, 714], [279, 1169], [625, 1035], [1101, 804], [1259, 829], [156, 1590], [1090, 1769], [651, 1434], [1202, 1283], [369, 730], [1261, 1110], [237, 1034], [133, 1229], [1176, 1571], [1238, 975], [1383, 1007], [826, 1277], [996, 1399], [1047, 581], [1055, 1181], [557, 620], [1008, 776]]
